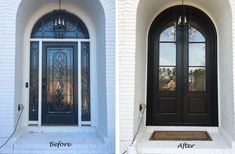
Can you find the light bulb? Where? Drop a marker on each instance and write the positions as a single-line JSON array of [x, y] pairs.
[[59, 21], [179, 20], [185, 20]]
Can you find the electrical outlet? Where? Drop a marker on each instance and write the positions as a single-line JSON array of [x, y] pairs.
[[20, 107], [140, 107]]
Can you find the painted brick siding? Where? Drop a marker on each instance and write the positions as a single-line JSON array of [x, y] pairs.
[[233, 33], [109, 8], [7, 66], [126, 50]]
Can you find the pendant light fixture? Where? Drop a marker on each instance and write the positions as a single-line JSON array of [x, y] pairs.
[[59, 21], [181, 19]]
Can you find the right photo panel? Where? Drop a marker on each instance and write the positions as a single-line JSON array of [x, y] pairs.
[[175, 76]]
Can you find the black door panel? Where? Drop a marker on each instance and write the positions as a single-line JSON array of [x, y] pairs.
[[182, 69], [59, 83]]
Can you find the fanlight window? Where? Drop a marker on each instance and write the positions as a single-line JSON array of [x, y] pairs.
[[47, 28]]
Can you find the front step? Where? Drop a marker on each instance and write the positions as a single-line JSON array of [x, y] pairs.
[[59, 152], [56, 142], [218, 145], [185, 151]]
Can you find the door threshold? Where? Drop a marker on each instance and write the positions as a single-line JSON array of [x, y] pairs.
[[183, 128], [63, 129]]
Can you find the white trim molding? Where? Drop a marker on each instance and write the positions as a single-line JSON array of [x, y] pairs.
[[26, 68]]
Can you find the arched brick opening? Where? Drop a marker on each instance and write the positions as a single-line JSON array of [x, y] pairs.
[[93, 15]]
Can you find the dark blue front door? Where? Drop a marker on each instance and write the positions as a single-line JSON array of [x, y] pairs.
[[59, 83]]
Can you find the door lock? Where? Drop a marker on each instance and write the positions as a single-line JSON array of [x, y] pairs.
[[26, 84]]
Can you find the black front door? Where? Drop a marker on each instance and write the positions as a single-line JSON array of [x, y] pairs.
[[182, 78], [59, 83]]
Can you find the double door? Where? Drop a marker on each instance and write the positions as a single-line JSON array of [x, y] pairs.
[[181, 77]]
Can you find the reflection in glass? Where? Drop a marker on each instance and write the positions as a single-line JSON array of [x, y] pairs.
[[85, 80], [60, 80], [75, 28], [168, 54], [34, 67], [167, 78], [197, 54], [197, 79], [169, 34], [195, 35]]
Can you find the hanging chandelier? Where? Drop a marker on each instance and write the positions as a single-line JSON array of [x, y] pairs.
[[59, 21], [182, 21]]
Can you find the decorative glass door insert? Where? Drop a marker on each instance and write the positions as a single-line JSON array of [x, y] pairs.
[[60, 72], [59, 83]]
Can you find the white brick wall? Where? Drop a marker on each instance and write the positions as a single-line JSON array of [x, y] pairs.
[[7, 66], [109, 9], [232, 2], [126, 50]]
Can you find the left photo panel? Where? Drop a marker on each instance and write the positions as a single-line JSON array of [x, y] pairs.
[[57, 76]]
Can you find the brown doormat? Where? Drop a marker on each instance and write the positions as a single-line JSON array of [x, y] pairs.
[[181, 135]]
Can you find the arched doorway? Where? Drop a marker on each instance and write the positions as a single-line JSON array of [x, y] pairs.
[[182, 69], [59, 70]]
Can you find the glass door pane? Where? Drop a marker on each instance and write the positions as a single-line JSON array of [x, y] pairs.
[[59, 83], [167, 66], [197, 61], [34, 88], [59, 80]]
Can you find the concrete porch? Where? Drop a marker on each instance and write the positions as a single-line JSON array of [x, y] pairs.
[[220, 144], [57, 140]]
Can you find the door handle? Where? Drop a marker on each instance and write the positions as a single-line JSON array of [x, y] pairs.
[[43, 86]]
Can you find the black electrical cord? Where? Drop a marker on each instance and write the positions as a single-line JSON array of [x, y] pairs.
[[133, 140], [22, 108], [124, 152]]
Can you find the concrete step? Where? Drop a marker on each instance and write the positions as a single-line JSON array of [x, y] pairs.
[[218, 145], [56, 142]]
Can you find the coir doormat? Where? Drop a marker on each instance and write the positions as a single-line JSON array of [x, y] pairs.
[[181, 135]]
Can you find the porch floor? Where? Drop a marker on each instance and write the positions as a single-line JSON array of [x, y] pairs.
[[37, 140], [218, 145]]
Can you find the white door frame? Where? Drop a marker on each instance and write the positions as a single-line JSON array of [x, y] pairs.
[[93, 59], [78, 41]]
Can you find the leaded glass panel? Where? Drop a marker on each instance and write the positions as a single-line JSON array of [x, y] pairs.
[[34, 68], [75, 28], [85, 80], [60, 80]]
